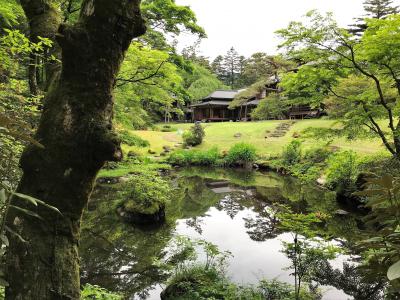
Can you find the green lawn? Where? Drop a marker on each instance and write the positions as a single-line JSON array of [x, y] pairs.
[[222, 135]]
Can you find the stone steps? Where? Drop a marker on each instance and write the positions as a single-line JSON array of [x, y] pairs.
[[281, 130]]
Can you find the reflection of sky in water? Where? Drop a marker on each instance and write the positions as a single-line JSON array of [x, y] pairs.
[[251, 260]]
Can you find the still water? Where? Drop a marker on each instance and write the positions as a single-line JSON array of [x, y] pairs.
[[233, 209]]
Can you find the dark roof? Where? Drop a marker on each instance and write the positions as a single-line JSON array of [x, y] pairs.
[[220, 94], [212, 103]]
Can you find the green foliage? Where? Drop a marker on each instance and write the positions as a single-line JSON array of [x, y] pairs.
[[193, 280], [167, 128], [272, 107], [250, 92], [194, 136], [201, 82], [317, 155], [10, 13], [309, 85], [148, 87], [383, 198], [229, 68], [342, 170], [241, 154], [195, 157], [306, 252], [145, 193], [291, 155], [260, 66], [94, 292], [167, 16], [358, 74], [131, 139]]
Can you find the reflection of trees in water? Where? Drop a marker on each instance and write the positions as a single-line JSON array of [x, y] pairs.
[[120, 257], [195, 197], [195, 223], [117, 256], [352, 281], [231, 203], [264, 225]]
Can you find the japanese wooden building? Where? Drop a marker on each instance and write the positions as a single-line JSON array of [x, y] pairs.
[[217, 107]]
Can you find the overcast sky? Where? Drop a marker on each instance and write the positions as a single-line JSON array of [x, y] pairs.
[[249, 25]]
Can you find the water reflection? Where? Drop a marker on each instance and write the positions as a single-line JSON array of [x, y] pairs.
[[236, 210]]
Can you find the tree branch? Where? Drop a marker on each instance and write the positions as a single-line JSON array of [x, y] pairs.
[[378, 130], [378, 86], [140, 80]]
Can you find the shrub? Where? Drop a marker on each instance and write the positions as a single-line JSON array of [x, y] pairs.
[[194, 136], [317, 155], [241, 154], [195, 157], [94, 292], [132, 139], [168, 128], [292, 153], [146, 193], [342, 169]]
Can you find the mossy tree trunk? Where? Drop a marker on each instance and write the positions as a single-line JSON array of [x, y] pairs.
[[76, 132]]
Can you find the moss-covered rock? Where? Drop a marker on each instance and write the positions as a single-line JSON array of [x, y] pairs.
[[144, 199]]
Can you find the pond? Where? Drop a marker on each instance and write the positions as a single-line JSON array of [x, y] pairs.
[[233, 209]]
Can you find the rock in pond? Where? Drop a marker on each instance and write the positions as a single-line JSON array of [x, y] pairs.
[[139, 218]]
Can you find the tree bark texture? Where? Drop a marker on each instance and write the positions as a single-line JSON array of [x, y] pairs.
[[76, 132]]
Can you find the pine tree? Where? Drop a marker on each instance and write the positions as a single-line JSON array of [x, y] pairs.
[[379, 9], [232, 65], [218, 68], [375, 9]]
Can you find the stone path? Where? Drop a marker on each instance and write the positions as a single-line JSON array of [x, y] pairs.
[[282, 129]]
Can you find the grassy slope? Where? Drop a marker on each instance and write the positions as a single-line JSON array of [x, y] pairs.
[[222, 135]]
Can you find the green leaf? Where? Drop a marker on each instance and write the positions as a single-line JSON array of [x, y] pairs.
[[36, 201], [27, 212], [30, 199], [49, 206], [394, 271], [16, 234]]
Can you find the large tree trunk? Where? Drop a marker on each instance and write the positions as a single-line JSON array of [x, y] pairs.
[[76, 132]]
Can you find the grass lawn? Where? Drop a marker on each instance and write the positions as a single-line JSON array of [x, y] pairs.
[[222, 135]]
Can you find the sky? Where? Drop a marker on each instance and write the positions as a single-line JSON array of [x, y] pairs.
[[249, 25]]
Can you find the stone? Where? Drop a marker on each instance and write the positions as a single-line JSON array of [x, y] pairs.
[[167, 149], [341, 212], [137, 218], [108, 180]]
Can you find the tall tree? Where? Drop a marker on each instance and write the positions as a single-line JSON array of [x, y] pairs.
[[232, 65], [363, 74], [77, 137], [375, 9], [218, 68]]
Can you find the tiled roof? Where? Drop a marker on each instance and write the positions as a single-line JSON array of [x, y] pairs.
[[219, 94], [212, 102]]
